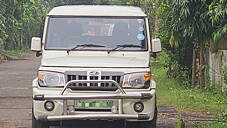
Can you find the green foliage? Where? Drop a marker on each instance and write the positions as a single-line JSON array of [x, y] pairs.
[[225, 79], [1, 44], [180, 124], [211, 125], [176, 66], [222, 116], [171, 91], [218, 15], [112, 2], [20, 20], [14, 53], [187, 20], [185, 24]]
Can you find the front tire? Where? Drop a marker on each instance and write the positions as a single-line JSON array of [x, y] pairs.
[[38, 124]]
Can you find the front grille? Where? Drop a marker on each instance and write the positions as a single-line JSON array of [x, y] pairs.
[[94, 86]]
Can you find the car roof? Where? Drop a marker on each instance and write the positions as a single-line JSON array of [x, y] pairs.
[[96, 10]]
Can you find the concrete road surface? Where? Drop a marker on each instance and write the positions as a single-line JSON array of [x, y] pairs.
[[16, 96]]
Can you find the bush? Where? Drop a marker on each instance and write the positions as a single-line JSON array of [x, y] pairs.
[[222, 116], [1, 44], [174, 69], [225, 80]]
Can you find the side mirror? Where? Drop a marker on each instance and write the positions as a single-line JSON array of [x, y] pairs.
[[36, 45], [156, 47]]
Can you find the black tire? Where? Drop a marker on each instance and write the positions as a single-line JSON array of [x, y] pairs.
[[145, 124], [38, 124], [153, 123]]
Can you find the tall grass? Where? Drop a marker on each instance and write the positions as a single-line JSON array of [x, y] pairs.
[[172, 92]]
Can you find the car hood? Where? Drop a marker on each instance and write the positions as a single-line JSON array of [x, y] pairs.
[[95, 61]]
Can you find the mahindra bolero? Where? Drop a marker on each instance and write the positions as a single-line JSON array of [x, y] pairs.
[[95, 66]]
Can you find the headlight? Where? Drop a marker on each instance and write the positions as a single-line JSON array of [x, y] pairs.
[[51, 79], [137, 80]]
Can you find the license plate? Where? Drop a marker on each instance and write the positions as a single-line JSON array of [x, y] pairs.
[[93, 104]]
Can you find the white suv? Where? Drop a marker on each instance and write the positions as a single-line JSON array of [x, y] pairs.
[[95, 66]]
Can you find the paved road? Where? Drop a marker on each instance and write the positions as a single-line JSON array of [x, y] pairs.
[[15, 95], [15, 90]]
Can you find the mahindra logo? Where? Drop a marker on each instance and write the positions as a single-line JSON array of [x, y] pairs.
[[94, 73]]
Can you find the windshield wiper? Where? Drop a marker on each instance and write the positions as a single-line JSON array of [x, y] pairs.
[[124, 46], [84, 45]]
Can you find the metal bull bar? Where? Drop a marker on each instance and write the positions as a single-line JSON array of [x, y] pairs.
[[119, 96], [93, 81], [123, 95]]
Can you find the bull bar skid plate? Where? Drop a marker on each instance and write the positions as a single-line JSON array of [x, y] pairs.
[[94, 116]]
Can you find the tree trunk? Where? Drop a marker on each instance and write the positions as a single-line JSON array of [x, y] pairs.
[[202, 68], [193, 67], [21, 41], [5, 44], [156, 19]]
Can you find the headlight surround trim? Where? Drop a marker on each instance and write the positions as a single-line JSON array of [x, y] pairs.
[[138, 80], [51, 79]]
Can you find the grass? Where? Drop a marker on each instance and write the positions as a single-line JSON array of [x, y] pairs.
[[15, 53], [211, 125], [171, 92]]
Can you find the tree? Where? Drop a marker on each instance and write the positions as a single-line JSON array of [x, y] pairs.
[[187, 21], [218, 16], [20, 20]]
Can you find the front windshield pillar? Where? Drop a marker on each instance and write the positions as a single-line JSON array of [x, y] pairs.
[[45, 30], [148, 34]]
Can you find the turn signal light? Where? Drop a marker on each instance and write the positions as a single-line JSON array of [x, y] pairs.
[[147, 76]]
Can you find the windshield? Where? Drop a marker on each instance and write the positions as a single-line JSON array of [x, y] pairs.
[[68, 32]]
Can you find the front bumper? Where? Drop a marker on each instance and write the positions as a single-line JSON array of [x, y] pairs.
[[125, 111], [94, 96], [94, 116]]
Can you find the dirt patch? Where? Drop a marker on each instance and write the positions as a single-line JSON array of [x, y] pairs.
[[169, 115], [4, 58], [6, 125]]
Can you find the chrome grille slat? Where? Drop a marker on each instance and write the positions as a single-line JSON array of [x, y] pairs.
[[94, 86], [77, 77]]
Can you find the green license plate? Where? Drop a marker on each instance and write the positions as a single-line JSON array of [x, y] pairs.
[[93, 104]]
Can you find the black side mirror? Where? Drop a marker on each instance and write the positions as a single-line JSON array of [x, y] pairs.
[[155, 54], [38, 54]]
